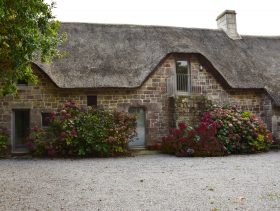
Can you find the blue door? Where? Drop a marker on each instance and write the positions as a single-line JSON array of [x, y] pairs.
[[139, 140]]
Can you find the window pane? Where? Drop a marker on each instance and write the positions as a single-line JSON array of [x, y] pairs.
[[46, 119], [182, 66], [92, 100], [182, 71], [22, 82]]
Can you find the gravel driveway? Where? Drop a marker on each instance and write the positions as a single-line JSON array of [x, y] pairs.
[[150, 182]]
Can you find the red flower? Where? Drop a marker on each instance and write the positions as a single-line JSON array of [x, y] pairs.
[[62, 135], [182, 125], [74, 132], [183, 139], [35, 128], [178, 132]]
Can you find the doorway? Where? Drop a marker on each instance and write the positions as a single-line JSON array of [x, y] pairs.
[[139, 140], [21, 129]]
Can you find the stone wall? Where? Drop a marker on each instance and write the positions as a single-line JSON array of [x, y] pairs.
[[189, 109], [42, 97], [204, 83], [208, 89], [276, 124], [47, 97], [152, 96]]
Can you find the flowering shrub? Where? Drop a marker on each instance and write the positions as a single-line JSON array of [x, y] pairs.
[[186, 141], [240, 131], [3, 140], [220, 131], [78, 132]]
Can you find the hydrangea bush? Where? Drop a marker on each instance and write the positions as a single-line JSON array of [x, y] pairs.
[[241, 131], [221, 131], [187, 141], [74, 131]]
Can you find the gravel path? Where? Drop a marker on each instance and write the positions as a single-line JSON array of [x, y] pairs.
[[150, 182]]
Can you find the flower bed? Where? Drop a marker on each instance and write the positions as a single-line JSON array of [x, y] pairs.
[[74, 131]]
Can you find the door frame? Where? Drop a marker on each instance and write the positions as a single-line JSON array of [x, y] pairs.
[[13, 131]]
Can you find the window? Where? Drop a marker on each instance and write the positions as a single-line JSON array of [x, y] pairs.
[[92, 100], [183, 76], [22, 82], [46, 119], [182, 67]]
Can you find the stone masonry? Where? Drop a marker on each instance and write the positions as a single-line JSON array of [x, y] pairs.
[[159, 108], [206, 89], [276, 124], [227, 22]]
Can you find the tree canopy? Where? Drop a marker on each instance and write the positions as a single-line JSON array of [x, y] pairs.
[[28, 32]]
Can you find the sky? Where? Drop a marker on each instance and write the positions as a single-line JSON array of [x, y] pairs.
[[254, 17]]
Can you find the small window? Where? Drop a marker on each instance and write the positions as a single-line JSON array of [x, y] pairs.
[[183, 76], [22, 82], [92, 100], [46, 119]]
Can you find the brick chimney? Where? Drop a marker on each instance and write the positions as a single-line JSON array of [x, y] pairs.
[[227, 22]]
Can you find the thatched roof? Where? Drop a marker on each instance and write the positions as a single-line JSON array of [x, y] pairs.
[[124, 55]]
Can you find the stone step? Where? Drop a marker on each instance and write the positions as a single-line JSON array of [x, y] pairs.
[[136, 152]]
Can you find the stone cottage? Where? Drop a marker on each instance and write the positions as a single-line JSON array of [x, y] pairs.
[[165, 74]]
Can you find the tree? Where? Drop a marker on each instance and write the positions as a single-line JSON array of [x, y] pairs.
[[28, 32]]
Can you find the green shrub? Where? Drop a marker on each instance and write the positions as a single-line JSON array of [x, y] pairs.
[[83, 132], [4, 136]]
